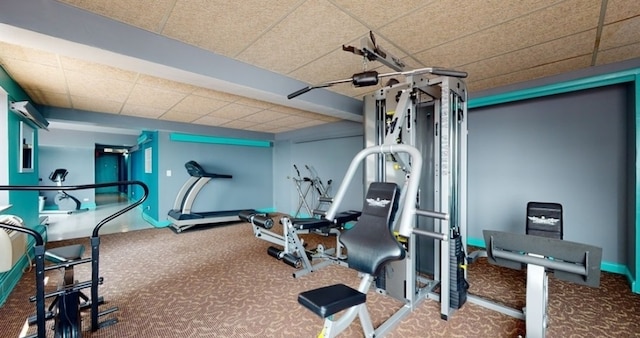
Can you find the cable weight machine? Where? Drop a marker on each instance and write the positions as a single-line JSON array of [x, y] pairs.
[[424, 108]]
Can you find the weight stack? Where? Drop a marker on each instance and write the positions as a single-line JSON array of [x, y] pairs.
[[459, 285]]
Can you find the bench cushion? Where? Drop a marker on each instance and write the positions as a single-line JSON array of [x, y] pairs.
[[332, 299]]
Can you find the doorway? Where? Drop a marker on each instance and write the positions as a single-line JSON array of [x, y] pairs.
[[111, 165]]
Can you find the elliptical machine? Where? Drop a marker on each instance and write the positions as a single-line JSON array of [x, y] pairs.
[[65, 309], [66, 203]]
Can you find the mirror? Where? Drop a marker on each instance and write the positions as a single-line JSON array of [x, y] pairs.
[[26, 148]]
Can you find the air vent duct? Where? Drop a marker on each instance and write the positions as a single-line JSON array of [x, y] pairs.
[[28, 111]]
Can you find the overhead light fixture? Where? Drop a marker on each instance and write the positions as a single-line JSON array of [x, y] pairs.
[[28, 111]]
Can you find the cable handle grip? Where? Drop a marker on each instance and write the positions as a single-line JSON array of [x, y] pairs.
[[299, 92]]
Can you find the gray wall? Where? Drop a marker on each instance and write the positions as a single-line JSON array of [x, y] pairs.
[[329, 150], [251, 167], [73, 150], [570, 149]]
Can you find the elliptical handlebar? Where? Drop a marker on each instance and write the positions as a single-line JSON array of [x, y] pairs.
[[96, 229]]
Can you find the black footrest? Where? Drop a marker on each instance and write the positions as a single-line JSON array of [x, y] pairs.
[[332, 299]]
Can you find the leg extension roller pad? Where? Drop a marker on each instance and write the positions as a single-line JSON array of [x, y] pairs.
[[332, 299]]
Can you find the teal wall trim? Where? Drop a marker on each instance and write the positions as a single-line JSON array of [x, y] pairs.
[[179, 137], [266, 210], [154, 222], [557, 88]]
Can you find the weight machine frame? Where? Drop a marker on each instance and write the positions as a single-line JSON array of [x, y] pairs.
[[395, 115]]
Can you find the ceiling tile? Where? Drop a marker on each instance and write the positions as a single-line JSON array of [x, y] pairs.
[[238, 124], [254, 103], [377, 13], [36, 75], [292, 120], [620, 33], [141, 111], [262, 127], [10, 51], [146, 14], [96, 105], [531, 73], [211, 121], [264, 116], [618, 54], [96, 69], [180, 116], [198, 105], [223, 26], [566, 18], [435, 24], [565, 48], [153, 97], [48, 98], [81, 84], [234, 111], [216, 95], [165, 84], [306, 34], [621, 9]]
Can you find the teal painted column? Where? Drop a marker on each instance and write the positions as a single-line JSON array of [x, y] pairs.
[[635, 286]]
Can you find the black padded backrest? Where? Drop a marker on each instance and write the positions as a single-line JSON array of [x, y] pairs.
[[544, 219], [370, 243]]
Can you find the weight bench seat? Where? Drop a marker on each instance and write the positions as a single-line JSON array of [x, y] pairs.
[[65, 254], [332, 299], [316, 223]]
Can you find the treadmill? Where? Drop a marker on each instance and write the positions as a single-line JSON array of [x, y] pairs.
[[182, 217]]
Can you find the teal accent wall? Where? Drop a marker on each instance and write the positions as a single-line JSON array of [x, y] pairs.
[[24, 203], [632, 76], [147, 142]]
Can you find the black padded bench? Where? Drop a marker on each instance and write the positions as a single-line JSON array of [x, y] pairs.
[[317, 223], [332, 299]]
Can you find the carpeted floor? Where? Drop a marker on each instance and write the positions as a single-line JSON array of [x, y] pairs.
[[220, 282]]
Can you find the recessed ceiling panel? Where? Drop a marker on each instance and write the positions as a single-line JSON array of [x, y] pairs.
[[621, 9], [96, 105], [86, 85], [618, 54]]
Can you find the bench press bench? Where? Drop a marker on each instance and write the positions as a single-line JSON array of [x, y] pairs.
[[293, 250]]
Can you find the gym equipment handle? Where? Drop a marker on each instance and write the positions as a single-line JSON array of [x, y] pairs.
[[299, 92]]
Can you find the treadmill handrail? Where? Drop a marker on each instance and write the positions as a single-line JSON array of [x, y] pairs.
[[196, 170]]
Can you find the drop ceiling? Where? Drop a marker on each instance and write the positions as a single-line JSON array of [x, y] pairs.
[[230, 64]]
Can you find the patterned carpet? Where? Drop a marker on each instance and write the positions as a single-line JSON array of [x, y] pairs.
[[220, 282]]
